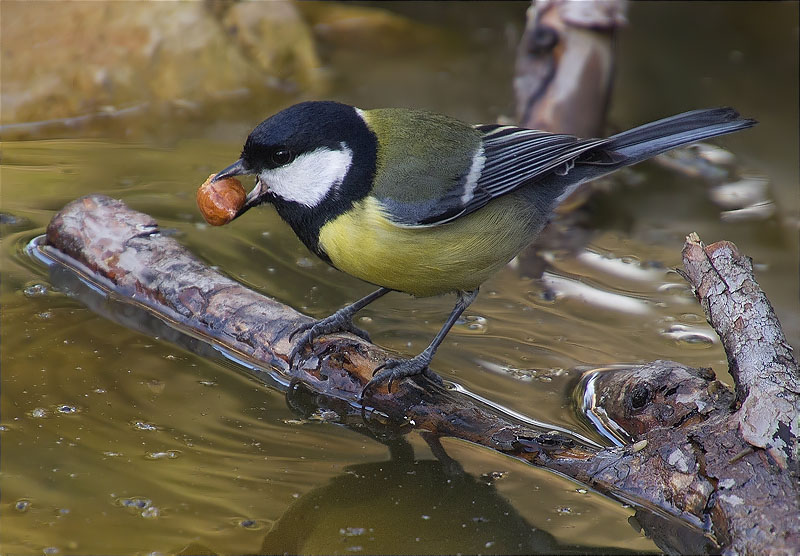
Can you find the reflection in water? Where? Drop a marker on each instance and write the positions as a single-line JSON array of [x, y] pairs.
[[100, 299], [589, 407], [594, 297], [219, 457], [307, 523], [71, 278], [414, 503]]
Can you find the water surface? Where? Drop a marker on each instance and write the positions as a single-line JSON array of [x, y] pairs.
[[114, 441]]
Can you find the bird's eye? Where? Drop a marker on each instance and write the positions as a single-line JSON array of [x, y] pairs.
[[281, 156]]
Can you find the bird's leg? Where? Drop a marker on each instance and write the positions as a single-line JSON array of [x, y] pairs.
[[394, 369], [340, 321]]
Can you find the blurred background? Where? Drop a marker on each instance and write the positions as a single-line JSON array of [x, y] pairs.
[[114, 441]]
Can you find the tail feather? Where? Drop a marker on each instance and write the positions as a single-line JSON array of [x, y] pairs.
[[646, 141], [657, 137]]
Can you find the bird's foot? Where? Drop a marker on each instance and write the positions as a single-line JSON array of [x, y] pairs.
[[394, 369], [340, 321]]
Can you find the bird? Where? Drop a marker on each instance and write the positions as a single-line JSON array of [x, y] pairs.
[[422, 203]]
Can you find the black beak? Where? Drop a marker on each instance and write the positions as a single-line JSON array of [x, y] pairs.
[[254, 197], [235, 169]]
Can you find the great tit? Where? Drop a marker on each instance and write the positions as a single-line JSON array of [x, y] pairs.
[[425, 204]]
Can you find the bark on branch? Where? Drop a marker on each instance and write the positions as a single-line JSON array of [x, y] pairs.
[[723, 471], [760, 358]]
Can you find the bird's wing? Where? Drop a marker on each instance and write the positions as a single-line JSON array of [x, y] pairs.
[[508, 158]]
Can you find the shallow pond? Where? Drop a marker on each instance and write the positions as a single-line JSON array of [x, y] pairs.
[[118, 442]]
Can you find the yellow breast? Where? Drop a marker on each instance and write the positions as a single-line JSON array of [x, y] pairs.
[[429, 261]]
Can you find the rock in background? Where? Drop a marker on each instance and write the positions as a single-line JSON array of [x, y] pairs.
[[62, 59]]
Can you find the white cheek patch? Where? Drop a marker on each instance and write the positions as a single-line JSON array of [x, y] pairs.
[[309, 178]]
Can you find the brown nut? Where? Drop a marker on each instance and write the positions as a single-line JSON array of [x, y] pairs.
[[220, 201]]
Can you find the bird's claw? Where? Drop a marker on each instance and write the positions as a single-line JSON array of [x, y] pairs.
[[394, 369], [300, 345], [302, 328], [337, 322]]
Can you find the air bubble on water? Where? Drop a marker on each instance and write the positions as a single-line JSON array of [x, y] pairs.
[[144, 426], [36, 290], [137, 502], [167, 454], [473, 324], [352, 531], [324, 415], [493, 476], [151, 513]]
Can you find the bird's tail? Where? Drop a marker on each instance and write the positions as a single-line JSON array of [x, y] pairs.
[[646, 141], [654, 138]]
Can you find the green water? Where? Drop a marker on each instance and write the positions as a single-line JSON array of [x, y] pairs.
[[114, 441]]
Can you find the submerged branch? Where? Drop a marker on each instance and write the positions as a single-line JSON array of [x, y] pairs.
[[124, 252], [688, 458]]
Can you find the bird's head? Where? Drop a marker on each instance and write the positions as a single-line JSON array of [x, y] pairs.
[[303, 156]]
